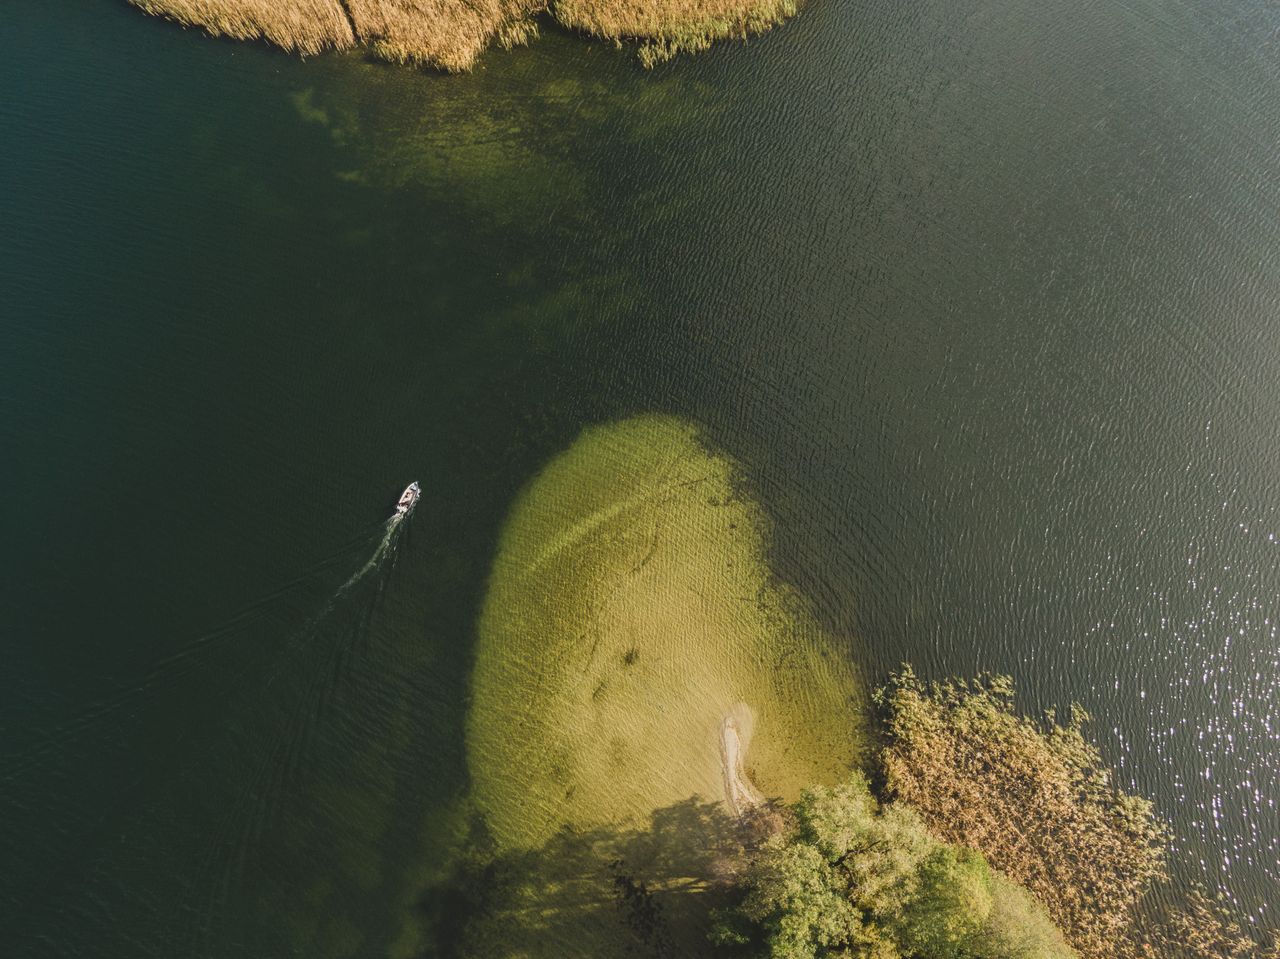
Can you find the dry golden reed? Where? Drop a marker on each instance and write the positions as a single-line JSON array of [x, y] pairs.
[[1038, 802], [672, 26], [307, 26], [1194, 927], [451, 34]]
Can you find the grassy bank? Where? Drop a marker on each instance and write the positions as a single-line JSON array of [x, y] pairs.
[[451, 34], [630, 611]]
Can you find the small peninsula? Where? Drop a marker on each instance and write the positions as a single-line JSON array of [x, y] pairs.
[[670, 757], [451, 34]]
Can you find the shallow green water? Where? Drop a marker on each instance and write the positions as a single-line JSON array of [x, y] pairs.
[[631, 636], [982, 300]]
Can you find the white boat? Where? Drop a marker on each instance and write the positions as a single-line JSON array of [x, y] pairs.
[[408, 498]]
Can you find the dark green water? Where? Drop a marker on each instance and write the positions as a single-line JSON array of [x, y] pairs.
[[984, 298]]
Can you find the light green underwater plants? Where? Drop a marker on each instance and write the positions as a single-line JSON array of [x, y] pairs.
[[633, 641], [630, 610]]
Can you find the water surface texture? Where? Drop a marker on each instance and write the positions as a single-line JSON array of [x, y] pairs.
[[982, 299]]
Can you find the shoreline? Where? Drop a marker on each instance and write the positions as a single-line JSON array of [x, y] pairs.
[[740, 794]]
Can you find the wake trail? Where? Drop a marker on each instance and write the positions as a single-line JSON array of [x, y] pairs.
[[282, 711], [286, 734], [188, 659], [385, 548], [319, 653]]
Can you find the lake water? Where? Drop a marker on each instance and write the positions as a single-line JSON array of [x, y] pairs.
[[983, 298]]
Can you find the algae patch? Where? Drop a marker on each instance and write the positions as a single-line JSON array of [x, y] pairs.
[[630, 611]]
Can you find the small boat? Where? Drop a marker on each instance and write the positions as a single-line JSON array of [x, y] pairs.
[[408, 498]]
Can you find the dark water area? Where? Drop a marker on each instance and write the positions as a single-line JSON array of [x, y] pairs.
[[983, 299]]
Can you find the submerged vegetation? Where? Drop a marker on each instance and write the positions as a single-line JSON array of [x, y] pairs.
[[631, 619], [451, 34], [630, 613]]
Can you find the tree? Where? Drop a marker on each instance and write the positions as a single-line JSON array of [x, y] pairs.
[[852, 880], [949, 912]]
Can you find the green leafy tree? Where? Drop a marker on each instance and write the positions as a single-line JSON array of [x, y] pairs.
[[949, 911], [1018, 926], [850, 880]]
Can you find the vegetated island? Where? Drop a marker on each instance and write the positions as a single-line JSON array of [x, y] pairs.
[[451, 34], [989, 836], [648, 704]]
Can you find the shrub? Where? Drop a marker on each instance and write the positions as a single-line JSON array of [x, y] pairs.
[[847, 878]]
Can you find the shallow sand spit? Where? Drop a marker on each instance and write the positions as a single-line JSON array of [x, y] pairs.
[[451, 34], [739, 793], [630, 615]]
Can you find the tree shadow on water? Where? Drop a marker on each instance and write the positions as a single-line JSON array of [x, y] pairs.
[[646, 891]]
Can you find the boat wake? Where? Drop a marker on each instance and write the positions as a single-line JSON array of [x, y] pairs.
[[206, 651], [295, 716], [270, 688], [385, 550]]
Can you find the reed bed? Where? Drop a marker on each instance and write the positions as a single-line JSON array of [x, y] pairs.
[[305, 26], [451, 34], [669, 27]]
